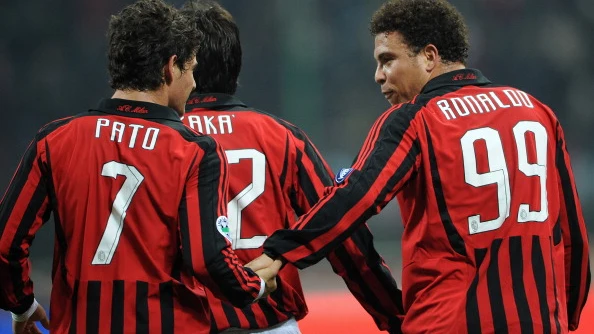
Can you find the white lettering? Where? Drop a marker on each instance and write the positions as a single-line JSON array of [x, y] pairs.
[[513, 97], [100, 123], [208, 125], [225, 120], [526, 99], [498, 101], [117, 128], [135, 128], [471, 100], [484, 98], [151, 133], [455, 101], [194, 122], [445, 108]]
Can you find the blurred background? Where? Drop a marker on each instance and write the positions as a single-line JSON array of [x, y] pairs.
[[308, 61]]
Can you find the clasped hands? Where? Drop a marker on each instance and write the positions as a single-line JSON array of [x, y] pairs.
[[267, 268]]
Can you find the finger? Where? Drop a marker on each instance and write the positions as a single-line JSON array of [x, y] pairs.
[[42, 317], [260, 262], [33, 329], [19, 327]]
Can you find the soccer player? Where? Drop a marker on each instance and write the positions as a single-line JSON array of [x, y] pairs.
[[139, 200], [494, 237], [276, 173]]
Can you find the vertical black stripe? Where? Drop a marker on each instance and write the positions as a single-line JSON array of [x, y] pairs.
[[556, 313], [473, 318], [231, 315], [93, 306], [117, 307], [269, 313], [517, 272], [185, 234], [307, 187], [248, 312], [353, 274], [16, 252], [142, 312], [74, 301], [494, 288], [166, 304], [283, 175], [213, 324], [364, 241], [540, 278], [16, 185], [577, 244], [454, 237]]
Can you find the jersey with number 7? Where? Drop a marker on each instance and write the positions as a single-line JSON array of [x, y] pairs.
[[494, 237], [136, 198]]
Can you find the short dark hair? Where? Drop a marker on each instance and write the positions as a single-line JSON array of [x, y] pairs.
[[424, 22], [219, 52], [142, 38]]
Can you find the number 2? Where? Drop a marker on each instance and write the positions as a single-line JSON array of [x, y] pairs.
[[115, 222], [498, 172], [246, 196]]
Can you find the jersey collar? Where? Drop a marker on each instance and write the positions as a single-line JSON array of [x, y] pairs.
[[463, 77], [212, 101], [136, 109]]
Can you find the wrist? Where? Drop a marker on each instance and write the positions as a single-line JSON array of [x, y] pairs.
[[22, 317]]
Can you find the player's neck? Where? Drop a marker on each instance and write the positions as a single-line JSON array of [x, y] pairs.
[[144, 96], [445, 68]]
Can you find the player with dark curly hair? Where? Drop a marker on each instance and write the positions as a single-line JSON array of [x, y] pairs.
[[139, 200], [494, 236]]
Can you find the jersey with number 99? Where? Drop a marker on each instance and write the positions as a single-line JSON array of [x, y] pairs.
[[494, 238]]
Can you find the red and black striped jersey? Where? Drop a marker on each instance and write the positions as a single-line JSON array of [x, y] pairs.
[[136, 196], [277, 174], [494, 237]]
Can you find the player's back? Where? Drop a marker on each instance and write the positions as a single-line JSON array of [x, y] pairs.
[[263, 153], [486, 240], [118, 179]]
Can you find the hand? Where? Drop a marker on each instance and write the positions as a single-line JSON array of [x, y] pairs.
[[261, 262], [29, 326], [268, 274]]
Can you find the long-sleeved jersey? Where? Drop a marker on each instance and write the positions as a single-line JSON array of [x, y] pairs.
[[138, 201], [494, 237], [276, 174]]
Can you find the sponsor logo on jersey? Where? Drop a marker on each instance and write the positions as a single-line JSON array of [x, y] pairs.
[[343, 174], [223, 227]]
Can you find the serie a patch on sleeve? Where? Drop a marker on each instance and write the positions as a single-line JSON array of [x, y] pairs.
[[342, 175], [223, 227]]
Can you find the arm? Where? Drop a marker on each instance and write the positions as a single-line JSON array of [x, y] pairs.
[[575, 237], [206, 251], [23, 210], [389, 157], [355, 260]]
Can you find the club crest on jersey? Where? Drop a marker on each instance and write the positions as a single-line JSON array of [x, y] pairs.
[[223, 227], [343, 174]]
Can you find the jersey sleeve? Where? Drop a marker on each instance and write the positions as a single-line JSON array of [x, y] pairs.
[[355, 260], [390, 155], [202, 221], [23, 210], [575, 237]]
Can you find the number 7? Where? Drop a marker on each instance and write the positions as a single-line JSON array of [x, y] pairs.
[[115, 223]]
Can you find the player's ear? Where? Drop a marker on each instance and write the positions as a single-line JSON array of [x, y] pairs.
[[430, 57], [169, 69]]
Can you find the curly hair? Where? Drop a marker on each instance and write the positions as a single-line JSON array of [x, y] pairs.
[[142, 38], [219, 53], [423, 22]]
